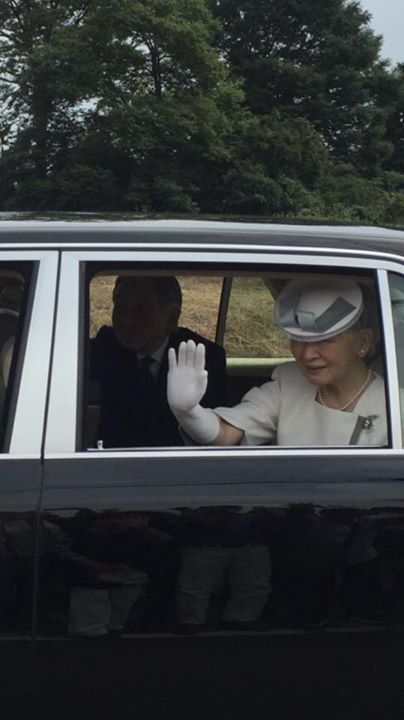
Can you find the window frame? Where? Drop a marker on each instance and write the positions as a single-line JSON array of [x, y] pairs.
[[24, 430], [28, 271], [62, 439]]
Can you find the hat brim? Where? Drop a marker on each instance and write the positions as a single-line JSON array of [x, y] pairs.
[[314, 311]]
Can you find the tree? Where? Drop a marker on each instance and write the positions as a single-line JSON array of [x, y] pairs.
[[135, 89], [395, 120], [310, 58], [41, 80], [162, 101]]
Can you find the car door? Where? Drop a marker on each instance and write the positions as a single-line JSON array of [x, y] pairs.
[[150, 541], [27, 303]]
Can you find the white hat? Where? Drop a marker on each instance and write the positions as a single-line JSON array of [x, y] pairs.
[[315, 309]]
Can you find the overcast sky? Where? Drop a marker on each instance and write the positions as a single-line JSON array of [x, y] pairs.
[[388, 20]]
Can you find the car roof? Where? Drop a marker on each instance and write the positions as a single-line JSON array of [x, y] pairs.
[[103, 232]]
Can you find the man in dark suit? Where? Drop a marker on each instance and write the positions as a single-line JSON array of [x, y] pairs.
[[129, 360]]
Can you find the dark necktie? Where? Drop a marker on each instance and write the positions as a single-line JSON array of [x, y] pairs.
[[145, 370]]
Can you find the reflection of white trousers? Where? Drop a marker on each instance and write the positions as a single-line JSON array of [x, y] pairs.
[[248, 570], [93, 612]]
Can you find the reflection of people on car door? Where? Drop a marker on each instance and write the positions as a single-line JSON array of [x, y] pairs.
[[329, 396], [223, 544], [130, 361], [99, 557]]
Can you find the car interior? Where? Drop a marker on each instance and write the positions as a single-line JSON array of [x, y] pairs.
[[234, 308], [12, 286]]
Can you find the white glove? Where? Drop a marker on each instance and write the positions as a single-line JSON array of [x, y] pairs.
[[186, 385]]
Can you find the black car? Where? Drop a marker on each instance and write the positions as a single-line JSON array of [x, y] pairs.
[[179, 580]]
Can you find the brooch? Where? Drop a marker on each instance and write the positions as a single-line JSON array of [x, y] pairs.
[[368, 423]]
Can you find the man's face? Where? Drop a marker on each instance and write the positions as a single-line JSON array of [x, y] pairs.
[[140, 322]]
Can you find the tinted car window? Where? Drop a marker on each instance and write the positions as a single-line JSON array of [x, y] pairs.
[[13, 288]]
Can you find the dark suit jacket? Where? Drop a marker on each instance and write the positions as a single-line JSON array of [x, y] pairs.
[[135, 416]]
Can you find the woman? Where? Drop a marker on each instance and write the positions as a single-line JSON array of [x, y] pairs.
[[328, 396]]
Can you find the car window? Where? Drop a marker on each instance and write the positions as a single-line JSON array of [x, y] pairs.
[[251, 330], [125, 403], [13, 287], [397, 302]]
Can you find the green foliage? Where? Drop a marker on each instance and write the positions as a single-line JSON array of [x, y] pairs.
[[87, 188], [395, 118], [269, 107], [310, 58]]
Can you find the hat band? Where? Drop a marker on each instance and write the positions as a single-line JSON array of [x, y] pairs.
[[320, 337], [289, 317]]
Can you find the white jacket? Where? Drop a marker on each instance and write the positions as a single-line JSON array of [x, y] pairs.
[[285, 412]]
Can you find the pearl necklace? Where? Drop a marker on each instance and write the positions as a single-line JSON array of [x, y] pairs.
[[359, 392]]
